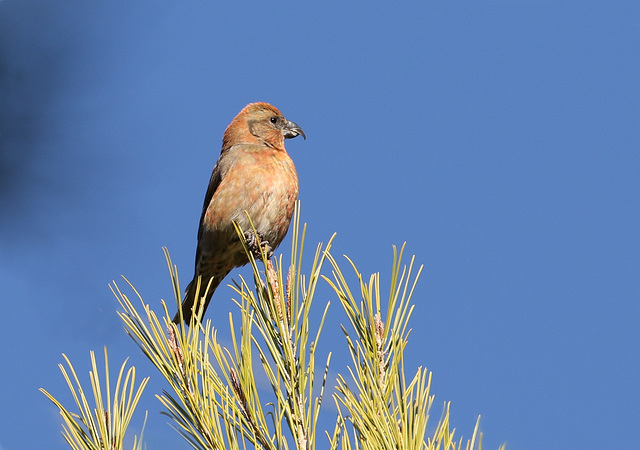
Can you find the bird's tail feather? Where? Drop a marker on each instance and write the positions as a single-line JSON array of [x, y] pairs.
[[194, 288]]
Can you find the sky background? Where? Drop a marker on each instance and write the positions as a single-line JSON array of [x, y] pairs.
[[499, 139]]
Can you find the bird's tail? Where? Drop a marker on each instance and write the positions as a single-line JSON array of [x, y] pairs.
[[190, 296]]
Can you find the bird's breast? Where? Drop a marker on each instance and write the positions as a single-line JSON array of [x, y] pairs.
[[263, 184]]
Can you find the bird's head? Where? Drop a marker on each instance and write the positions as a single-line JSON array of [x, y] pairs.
[[260, 123]]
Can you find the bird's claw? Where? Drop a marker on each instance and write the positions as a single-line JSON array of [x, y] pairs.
[[256, 244]]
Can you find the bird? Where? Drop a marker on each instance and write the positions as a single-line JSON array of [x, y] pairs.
[[254, 178]]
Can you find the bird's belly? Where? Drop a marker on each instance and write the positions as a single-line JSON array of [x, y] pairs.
[[270, 212]]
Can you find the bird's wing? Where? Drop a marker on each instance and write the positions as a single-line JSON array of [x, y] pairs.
[[227, 160], [214, 182]]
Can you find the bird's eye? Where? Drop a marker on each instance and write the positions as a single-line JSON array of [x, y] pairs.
[[273, 120]]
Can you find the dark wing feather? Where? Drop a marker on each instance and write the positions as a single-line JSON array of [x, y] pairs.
[[214, 182]]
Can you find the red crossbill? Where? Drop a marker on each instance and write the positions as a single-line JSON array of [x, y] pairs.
[[254, 175]]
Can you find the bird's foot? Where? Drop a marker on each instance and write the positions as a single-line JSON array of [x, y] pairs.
[[257, 244]]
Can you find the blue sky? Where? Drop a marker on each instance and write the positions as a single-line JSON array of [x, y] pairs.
[[500, 139]]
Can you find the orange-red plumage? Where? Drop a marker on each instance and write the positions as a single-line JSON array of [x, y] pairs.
[[254, 174]]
